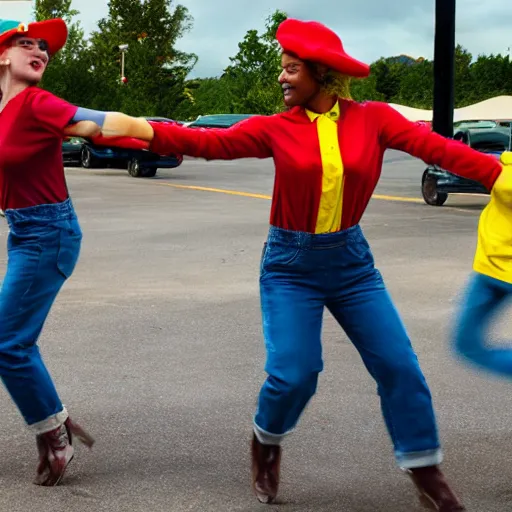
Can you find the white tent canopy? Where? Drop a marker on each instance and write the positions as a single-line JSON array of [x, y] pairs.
[[493, 109], [413, 114]]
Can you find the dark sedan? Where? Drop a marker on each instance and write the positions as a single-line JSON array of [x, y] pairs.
[[72, 151], [139, 162], [218, 120], [437, 184]]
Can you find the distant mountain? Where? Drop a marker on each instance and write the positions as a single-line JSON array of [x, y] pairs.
[[404, 59]]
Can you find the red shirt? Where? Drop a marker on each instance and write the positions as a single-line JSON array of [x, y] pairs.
[[365, 131], [31, 135]]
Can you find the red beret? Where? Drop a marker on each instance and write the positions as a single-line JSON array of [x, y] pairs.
[[53, 31], [312, 41]]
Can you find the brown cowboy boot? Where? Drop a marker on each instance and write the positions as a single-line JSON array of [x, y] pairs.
[[266, 461], [56, 451], [434, 491]]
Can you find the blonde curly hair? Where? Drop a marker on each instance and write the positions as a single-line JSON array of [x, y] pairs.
[[336, 84], [332, 82]]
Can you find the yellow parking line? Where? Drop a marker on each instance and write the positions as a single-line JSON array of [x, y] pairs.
[[217, 190], [398, 198], [469, 194], [263, 196]]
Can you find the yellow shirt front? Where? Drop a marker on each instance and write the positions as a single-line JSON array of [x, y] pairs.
[[329, 211], [493, 255]]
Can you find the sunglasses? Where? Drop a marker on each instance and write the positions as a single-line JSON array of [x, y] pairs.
[[30, 44]]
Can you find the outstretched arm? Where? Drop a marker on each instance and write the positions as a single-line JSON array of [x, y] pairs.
[[246, 139], [85, 123], [62, 119], [397, 132], [95, 123], [117, 124]]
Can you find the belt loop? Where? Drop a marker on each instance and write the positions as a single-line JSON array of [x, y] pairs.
[[305, 240]]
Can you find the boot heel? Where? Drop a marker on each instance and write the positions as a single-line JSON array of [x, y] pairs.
[[77, 431], [426, 502], [423, 498], [433, 490]]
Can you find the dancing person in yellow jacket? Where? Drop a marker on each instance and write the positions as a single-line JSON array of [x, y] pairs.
[[490, 286]]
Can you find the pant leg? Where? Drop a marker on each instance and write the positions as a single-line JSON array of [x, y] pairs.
[[292, 312], [366, 313], [37, 268], [485, 297]]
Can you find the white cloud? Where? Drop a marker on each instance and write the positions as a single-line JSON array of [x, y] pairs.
[[369, 28]]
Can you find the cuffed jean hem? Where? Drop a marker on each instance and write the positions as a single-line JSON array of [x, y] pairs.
[[265, 437], [49, 424], [421, 459]]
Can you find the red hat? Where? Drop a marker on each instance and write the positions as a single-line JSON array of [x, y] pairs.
[[312, 41], [53, 31]]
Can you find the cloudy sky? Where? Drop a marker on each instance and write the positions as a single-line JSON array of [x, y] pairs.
[[369, 28]]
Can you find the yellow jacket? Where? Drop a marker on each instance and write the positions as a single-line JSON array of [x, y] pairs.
[[493, 255]]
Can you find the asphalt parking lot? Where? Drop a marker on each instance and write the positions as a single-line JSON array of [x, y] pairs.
[[155, 345]]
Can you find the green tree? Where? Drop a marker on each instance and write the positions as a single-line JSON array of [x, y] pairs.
[[417, 86], [365, 89], [463, 82], [207, 96], [68, 74], [388, 77], [490, 76], [248, 85], [252, 76], [155, 70]]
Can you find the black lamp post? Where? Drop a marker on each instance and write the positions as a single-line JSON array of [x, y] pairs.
[[444, 67]]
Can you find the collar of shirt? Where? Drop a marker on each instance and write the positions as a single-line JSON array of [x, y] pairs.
[[333, 114]]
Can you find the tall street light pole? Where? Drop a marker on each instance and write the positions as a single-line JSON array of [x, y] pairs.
[[444, 67]]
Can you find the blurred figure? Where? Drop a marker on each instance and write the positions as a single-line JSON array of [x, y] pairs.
[[490, 288]]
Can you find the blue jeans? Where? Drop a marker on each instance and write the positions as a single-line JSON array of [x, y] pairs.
[[43, 247], [485, 297], [301, 274]]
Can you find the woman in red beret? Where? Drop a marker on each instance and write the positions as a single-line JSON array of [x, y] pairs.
[[328, 152], [44, 234]]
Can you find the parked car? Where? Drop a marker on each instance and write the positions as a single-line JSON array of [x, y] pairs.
[[72, 150], [218, 120], [437, 184], [139, 162], [480, 125]]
